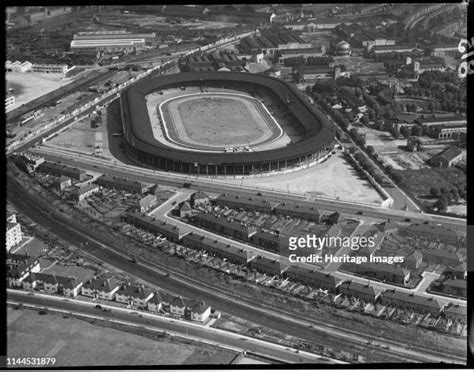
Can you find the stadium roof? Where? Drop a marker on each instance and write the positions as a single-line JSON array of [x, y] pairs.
[[138, 131]]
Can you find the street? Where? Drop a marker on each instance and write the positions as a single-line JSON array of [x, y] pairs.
[[176, 327]]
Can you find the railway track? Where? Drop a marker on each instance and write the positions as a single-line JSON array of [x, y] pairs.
[[231, 304]]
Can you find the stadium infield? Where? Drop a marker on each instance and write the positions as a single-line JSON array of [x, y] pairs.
[[218, 121]]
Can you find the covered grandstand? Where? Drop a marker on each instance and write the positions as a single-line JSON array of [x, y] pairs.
[[140, 142]]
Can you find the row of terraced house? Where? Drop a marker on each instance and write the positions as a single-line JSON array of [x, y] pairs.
[[277, 268]]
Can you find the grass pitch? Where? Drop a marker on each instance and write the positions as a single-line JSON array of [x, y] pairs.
[[75, 342], [220, 121]]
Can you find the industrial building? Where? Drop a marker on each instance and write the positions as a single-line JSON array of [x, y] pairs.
[[361, 37], [114, 35], [14, 234], [447, 158], [305, 53], [108, 45], [270, 41], [9, 101], [47, 13], [18, 66], [49, 69]]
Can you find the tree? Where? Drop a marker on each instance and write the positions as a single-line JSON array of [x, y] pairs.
[[395, 132], [442, 204], [405, 131], [370, 149], [416, 130], [364, 120], [434, 191], [396, 177], [378, 178]]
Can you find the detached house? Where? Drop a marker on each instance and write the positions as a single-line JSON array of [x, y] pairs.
[[155, 303], [135, 295], [178, 306], [200, 312], [103, 289]]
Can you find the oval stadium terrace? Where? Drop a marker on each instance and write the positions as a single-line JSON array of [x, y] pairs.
[[140, 143]]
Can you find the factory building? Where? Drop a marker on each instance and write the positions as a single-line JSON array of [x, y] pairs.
[[108, 45]]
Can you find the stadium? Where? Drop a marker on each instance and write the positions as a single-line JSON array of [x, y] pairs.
[[222, 124]]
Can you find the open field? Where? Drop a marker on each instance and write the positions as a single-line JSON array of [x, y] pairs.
[[218, 121], [83, 139], [32, 85], [334, 178], [75, 342], [419, 181]]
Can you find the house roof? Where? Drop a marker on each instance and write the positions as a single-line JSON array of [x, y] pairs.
[[134, 291], [147, 199], [167, 298], [266, 263], [430, 303], [154, 225], [377, 267], [358, 288], [156, 299], [185, 207], [79, 190], [449, 153], [102, 285], [200, 195], [415, 256], [456, 310], [48, 165], [312, 275], [432, 229], [455, 283], [121, 181], [305, 208], [441, 254], [200, 307], [178, 302], [250, 201], [215, 245], [384, 226], [462, 267], [233, 225], [67, 282]]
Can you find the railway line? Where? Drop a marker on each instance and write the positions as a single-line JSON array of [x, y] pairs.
[[291, 324]]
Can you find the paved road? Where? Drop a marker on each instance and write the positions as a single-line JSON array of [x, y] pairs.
[[359, 231], [162, 213], [173, 326], [219, 186], [315, 332]]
